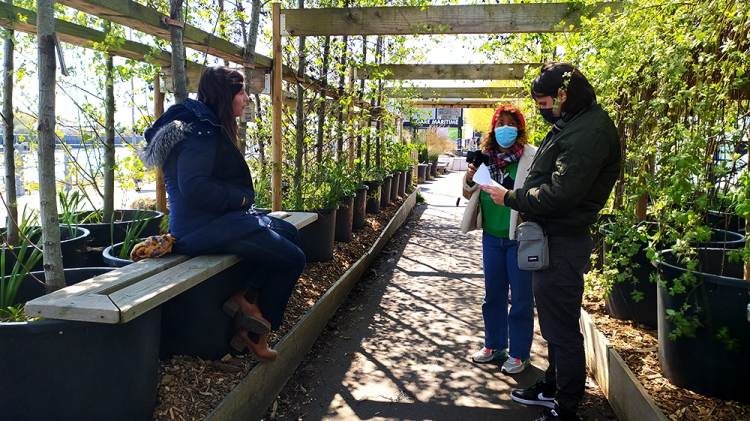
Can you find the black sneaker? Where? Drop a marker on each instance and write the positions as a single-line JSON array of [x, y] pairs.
[[551, 415], [539, 394]]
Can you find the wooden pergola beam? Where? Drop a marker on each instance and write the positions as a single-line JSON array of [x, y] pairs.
[[457, 103], [431, 20], [150, 21], [511, 71], [18, 19], [475, 93]]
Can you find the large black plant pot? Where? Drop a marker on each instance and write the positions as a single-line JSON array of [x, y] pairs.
[[703, 363], [385, 192], [100, 233], [422, 173], [726, 221], [72, 245], [433, 169], [410, 176], [62, 370], [619, 302], [395, 185], [373, 196], [101, 236], [194, 322], [111, 259], [360, 203], [316, 239], [345, 220]]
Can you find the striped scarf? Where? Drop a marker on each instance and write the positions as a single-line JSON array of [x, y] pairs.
[[500, 160]]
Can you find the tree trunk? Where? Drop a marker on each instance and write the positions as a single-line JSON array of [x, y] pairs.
[[9, 149], [300, 133], [379, 134], [361, 113], [322, 111], [179, 80], [53, 268], [109, 137], [251, 39]]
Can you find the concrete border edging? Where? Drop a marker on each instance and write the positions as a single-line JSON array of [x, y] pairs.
[[627, 396], [257, 391]]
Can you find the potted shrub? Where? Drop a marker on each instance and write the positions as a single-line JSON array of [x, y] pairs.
[[342, 180], [632, 279], [703, 317], [322, 195], [57, 369]]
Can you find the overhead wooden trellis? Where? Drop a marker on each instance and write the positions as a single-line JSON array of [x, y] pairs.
[[436, 20], [416, 20]]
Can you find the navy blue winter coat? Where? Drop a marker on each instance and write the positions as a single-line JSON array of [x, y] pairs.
[[208, 181]]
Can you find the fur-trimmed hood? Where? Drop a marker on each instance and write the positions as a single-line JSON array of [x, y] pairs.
[[172, 128]]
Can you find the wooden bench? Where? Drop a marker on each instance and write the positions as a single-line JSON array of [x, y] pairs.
[[128, 292]]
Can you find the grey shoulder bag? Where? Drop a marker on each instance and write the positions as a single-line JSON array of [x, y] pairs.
[[533, 250]]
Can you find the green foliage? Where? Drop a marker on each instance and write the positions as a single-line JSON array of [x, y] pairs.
[[420, 198], [11, 281], [133, 231]]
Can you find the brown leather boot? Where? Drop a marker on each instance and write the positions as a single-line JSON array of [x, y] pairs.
[[248, 313], [256, 343]]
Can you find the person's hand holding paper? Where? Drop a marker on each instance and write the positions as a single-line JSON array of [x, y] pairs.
[[486, 183]]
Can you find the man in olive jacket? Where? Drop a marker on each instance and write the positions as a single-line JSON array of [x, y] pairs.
[[569, 182]]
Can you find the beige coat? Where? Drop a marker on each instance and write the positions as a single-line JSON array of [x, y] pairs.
[[472, 219]]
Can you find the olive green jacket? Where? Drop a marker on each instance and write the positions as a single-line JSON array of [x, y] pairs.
[[571, 176]]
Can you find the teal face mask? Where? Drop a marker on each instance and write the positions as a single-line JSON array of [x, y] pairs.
[[506, 136]]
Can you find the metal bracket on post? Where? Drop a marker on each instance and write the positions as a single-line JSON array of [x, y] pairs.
[[267, 88], [60, 56], [282, 26]]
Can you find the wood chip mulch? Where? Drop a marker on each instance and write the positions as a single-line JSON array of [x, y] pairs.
[[638, 347], [190, 388]]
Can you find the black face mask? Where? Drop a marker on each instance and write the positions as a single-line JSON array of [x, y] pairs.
[[548, 116]]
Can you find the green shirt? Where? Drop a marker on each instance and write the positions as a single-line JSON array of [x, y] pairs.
[[496, 218]]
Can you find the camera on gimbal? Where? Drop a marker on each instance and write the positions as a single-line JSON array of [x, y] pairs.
[[477, 158]]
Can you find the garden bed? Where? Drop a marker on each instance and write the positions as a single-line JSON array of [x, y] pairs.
[[637, 345], [191, 388]]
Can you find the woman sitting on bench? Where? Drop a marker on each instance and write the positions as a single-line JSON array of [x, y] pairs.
[[211, 198]]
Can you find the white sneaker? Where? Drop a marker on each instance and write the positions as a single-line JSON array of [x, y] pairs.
[[486, 355], [514, 365]]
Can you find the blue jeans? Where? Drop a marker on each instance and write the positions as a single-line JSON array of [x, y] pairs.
[[276, 262], [500, 273]]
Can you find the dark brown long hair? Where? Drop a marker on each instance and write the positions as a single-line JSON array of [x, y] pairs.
[[489, 143], [217, 89]]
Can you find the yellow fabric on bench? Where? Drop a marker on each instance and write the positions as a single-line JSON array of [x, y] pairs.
[[154, 246]]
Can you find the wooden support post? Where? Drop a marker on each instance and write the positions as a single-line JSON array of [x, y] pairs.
[[161, 186], [276, 104]]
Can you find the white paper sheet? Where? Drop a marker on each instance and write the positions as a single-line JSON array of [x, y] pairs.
[[482, 176]]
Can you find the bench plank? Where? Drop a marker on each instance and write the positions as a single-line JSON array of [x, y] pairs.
[[141, 297], [125, 293], [82, 308], [75, 301], [298, 219]]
